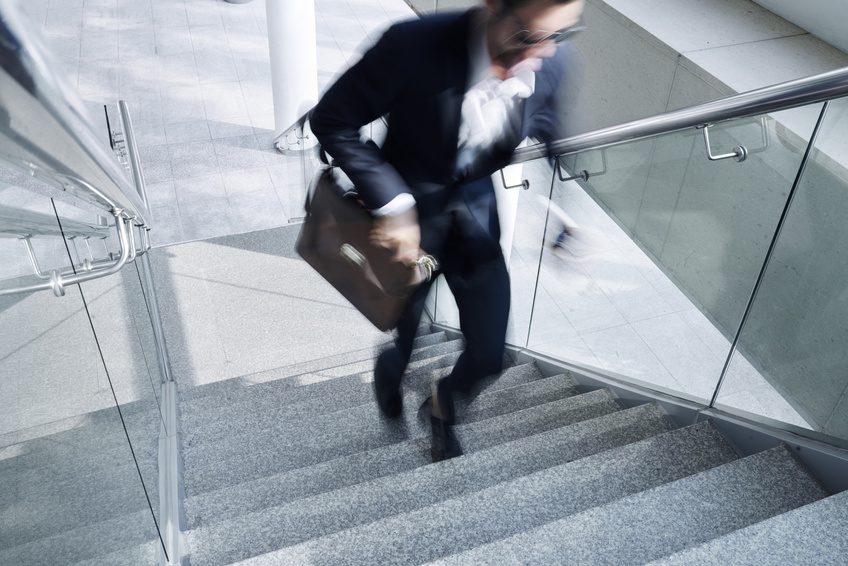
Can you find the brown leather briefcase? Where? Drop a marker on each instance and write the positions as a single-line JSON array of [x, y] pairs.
[[334, 241]]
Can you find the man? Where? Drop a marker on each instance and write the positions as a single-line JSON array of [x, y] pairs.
[[461, 91]]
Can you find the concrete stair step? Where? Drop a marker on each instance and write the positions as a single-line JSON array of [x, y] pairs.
[[439, 519], [267, 393], [142, 554], [518, 424], [294, 375], [302, 520], [504, 462], [813, 534], [329, 395], [663, 520], [101, 437], [87, 542], [47, 508], [361, 429], [313, 400], [275, 433]]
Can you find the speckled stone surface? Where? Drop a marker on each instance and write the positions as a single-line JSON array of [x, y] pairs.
[[515, 398], [301, 520], [220, 419], [49, 507], [78, 477], [213, 420], [265, 492], [85, 543], [139, 555], [663, 520], [533, 453], [813, 535], [547, 416], [230, 403], [309, 441], [311, 420], [504, 508], [356, 360]]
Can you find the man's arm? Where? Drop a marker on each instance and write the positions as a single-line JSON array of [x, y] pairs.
[[361, 95]]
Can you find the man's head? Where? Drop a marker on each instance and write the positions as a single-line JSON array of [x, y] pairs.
[[522, 29]]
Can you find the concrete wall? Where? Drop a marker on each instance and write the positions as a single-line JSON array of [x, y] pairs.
[[823, 18]]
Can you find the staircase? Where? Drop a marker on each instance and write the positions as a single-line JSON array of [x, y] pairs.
[[295, 465], [70, 491], [304, 470]]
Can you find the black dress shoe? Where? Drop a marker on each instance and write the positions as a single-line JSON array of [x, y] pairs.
[[387, 386], [444, 443]]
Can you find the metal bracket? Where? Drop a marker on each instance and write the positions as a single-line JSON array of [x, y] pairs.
[[583, 175], [295, 137], [525, 184], [740, 153], [90, 270]]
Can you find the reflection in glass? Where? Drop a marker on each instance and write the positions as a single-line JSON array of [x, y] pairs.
[[653, 279], [796, 336], [69, 485]]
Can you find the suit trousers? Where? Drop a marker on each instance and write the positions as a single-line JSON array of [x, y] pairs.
[[482, 292]]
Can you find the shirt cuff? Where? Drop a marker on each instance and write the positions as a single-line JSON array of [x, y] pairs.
[[397, 205]]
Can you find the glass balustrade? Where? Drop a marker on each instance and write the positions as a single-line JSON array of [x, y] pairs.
[[644, 270], [796, 337], [647, 266], [73, 487]]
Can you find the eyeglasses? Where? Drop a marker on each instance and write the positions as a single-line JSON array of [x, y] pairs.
[[529, 38]]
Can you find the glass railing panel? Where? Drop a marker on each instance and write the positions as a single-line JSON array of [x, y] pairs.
[[123, 330], [522, 218], [294, 174], [529, 206], [664, 252], [69, 484], [796, 337]]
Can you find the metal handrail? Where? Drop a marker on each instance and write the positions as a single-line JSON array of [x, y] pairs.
[[58, 280], [782, 96], [22, 223], [47, 133]]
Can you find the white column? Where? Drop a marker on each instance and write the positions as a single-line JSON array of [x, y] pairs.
[[294, 62]]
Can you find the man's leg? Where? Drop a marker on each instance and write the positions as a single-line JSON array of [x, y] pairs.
[[482, 295], [391, 363]]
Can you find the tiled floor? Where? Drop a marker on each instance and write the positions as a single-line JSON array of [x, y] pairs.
[[196, 76]]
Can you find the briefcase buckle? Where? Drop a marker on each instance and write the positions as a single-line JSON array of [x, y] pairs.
[[352, 255]]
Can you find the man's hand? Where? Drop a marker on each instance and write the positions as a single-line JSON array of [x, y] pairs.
[[400, 234]]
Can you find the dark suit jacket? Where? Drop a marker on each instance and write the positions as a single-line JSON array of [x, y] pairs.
[[417, 74]]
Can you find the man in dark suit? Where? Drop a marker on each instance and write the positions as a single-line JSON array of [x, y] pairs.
[[461, 91]]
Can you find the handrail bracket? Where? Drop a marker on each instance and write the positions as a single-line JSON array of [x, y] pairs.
[[740, 152]]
